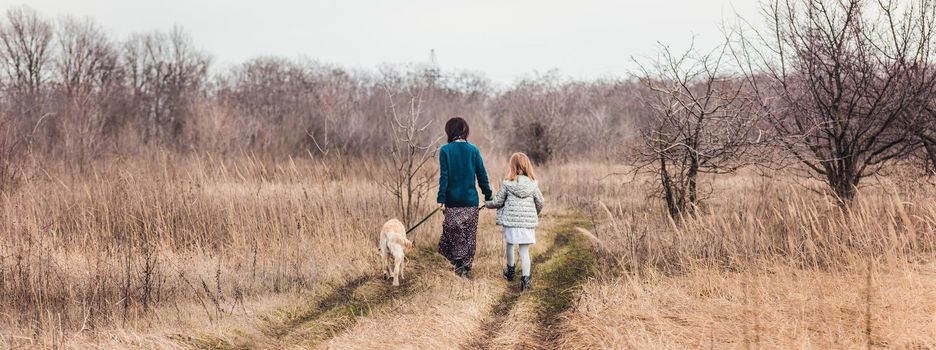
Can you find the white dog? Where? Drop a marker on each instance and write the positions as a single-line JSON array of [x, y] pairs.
[[393, 243]]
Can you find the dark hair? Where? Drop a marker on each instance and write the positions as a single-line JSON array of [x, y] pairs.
[[456, 128]]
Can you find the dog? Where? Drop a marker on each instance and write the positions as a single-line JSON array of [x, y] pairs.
[[393, 244]]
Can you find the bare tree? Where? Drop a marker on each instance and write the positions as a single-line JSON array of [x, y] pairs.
[[541, 113], [294, 106], [925, 135], [414, 145], [25, 37], [270, 97], [334, 95], [842, 83], [88, 70], [95, 95], [611, 109], [167, 74], [699, 124]]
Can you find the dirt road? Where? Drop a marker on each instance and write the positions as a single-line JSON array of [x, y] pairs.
[[433, 308]]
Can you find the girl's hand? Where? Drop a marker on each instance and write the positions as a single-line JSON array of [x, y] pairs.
[[442, 206]]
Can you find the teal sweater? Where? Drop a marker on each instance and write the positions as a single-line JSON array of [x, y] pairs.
[[460, 166]]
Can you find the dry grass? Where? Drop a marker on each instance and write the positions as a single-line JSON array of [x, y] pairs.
[[141, 253], [753, 219], [442, 316], [769, 263], [133, 239], [774, 307]]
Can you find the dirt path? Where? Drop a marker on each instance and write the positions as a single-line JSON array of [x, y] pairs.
[[493, 313], [307, 325], [525, 320]]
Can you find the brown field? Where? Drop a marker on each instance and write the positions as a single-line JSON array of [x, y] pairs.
[[771, 187], [179, 252]]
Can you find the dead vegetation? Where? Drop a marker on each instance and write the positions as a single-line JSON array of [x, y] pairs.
[[158, 254], [144, 203]]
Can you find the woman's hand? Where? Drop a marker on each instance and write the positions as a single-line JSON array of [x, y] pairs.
[[442, 206]]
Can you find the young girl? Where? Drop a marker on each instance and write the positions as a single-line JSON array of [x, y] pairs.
[[518, 202]]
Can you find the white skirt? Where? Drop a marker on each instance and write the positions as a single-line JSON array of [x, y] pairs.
[[518, 235]]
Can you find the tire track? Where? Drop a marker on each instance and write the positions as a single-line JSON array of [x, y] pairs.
[[333, 313], [575, 265], [567, 262], [502, 308], [340, 296]]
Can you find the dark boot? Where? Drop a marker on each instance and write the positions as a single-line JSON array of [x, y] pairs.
[[460, 269], [465, 272], [525, 283], [510, 272]]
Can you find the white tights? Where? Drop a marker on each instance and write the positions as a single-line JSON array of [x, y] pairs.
[[524, 257]]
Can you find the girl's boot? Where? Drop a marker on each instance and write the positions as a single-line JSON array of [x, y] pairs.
[[525, 283], [510, 272]]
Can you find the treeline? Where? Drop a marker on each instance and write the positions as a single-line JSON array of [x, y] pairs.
[[72, 93], [832, 90]]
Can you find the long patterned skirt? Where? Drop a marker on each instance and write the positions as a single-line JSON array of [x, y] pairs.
[[459, 231]]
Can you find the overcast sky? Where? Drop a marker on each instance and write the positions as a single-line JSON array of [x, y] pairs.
[[503, 39]]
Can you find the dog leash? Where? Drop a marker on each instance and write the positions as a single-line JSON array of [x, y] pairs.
[[423, 220], [427, 218]]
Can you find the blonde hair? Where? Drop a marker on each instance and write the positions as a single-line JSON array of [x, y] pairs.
[[520, 164]]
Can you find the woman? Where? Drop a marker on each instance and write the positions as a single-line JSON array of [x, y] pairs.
[[460, 169]]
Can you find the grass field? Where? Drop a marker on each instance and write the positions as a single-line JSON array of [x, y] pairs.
[[197, 251]]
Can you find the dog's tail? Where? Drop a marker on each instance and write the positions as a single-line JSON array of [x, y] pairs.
[[407, 244], [403, 241]]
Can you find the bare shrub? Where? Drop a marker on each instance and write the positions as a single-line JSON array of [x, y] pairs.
[[700, 125], [539, 114], [414, 144], [608, 128], [12, 157]]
